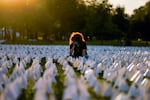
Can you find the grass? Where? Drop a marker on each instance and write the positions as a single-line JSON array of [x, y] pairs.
[[10, 70], [59, 86], [42, 63], [128, 82], [104, 42], [27, 94], [140, 43], [93, 94], [25, 42], [89, 42], [28, 64], [117, 43]]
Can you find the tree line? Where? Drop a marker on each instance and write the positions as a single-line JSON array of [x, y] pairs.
[[57, 19]]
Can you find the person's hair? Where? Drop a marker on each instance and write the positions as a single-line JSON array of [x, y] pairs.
[[77, 37]]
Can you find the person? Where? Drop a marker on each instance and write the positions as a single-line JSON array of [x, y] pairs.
[[78, 46]]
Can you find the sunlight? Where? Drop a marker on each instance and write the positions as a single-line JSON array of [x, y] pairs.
[[12, 1], [15, 3]]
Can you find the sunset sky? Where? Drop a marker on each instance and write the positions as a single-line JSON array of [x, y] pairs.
[[129, 5]]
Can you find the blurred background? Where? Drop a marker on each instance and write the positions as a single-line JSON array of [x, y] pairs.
[[55, 20]]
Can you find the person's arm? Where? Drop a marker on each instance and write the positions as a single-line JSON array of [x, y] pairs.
[[72, 46], [71, 50], [84, 51]]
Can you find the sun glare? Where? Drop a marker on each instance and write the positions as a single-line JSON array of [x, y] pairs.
[[12, 1], [17, 2]]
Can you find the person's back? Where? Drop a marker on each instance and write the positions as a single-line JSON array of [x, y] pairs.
[[78, 47]]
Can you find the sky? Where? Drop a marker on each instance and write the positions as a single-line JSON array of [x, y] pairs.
[[129, 5]]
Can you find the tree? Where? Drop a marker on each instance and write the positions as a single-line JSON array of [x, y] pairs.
[[99, 20], [121, 22], [141, 22]]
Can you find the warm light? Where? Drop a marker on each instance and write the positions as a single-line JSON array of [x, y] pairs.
[[74, 33], [12, 1], [17, 3]]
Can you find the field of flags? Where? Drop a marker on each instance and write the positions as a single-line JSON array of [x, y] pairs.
[[29, 72]]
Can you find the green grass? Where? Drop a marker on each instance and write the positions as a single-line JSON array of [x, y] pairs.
[[25, 42], [59, 86], [128, 82], [140, 43], [93, 94], [27, 94], [89, 42], [28, 64], [117, 43], [104, 42], [42, 63], [10, 70]]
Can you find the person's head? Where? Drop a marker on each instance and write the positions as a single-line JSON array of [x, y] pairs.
[[78, 34], [77, 37]]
